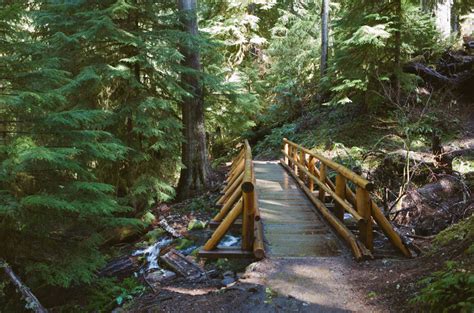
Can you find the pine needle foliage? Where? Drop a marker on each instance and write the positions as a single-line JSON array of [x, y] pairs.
[[90, 132], [52, 205]]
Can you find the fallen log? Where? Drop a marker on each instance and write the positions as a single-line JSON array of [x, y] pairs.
[[121, 267], [430, 75], [31, 300], [461, 82], [435, 206], [164, 224], [183, 266], [453, 62]]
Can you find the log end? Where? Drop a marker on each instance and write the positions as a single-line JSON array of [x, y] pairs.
[[248, 187]]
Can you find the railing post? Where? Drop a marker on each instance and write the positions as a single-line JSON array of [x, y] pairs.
[[341, 192], [248, 220], [295, 160], [364, 208], [249, 203], [322, 178], [311, 164], [302, 162], [285, 148]]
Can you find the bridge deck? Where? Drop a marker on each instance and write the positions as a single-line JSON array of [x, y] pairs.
[[291, 227]]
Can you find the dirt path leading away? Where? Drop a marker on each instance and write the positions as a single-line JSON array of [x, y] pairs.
[[321, 283]]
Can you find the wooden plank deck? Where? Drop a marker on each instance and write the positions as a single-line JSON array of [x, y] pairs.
[[291, 227]]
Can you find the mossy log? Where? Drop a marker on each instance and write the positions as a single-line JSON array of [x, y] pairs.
[[31, 300]]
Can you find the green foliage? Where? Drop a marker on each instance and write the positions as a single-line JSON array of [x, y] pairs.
[[90, 127], [449, 290], [462, 231], [201, 204], [271, 145], [107, 293], [367, 54], [183, 244], [452, 288], [53, 205]]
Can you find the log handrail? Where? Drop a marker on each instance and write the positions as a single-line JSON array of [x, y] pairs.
[[341, 169], [239, 199], [303, 164]]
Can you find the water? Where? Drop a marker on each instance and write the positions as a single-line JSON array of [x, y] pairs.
[[229, 241], [153, 252], [189, 250]]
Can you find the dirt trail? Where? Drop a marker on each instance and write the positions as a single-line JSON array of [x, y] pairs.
[[321, 284], [308, 284]]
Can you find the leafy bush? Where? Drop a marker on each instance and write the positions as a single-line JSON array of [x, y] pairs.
[[108, 293], [449, 290], [272, 143]]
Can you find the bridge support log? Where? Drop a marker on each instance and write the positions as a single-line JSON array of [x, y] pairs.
[[224, 227], [240, 198], [228, 205], [231, 189], [234, 175]]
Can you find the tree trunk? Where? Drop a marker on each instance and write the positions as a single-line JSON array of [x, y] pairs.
[[398, 48], [443, 17], [324, 36], [194, 176], [424, 6]]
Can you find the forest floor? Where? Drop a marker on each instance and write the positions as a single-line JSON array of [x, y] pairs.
[[311, 284]]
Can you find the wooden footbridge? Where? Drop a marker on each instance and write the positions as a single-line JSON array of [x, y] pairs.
[[296, 207]]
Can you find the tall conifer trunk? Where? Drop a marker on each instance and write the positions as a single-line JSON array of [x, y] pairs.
[[398, 48], [324, 36], [194, 176]]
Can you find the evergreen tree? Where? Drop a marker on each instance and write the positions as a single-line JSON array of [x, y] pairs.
[[127, 54], [372, 40], [52, 205]]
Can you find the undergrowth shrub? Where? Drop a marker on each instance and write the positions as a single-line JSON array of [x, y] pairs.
[[448, 290]]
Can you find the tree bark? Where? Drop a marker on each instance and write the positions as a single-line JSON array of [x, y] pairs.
[[194, 176], [398, 48], [324, 36]]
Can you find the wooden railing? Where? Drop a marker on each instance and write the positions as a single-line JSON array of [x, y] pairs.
[[239, 199], [311, 171]]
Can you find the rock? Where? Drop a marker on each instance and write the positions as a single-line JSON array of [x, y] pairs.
[[212, 274], [227, 281], [196, 224], [154, 235], [160, 276]]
